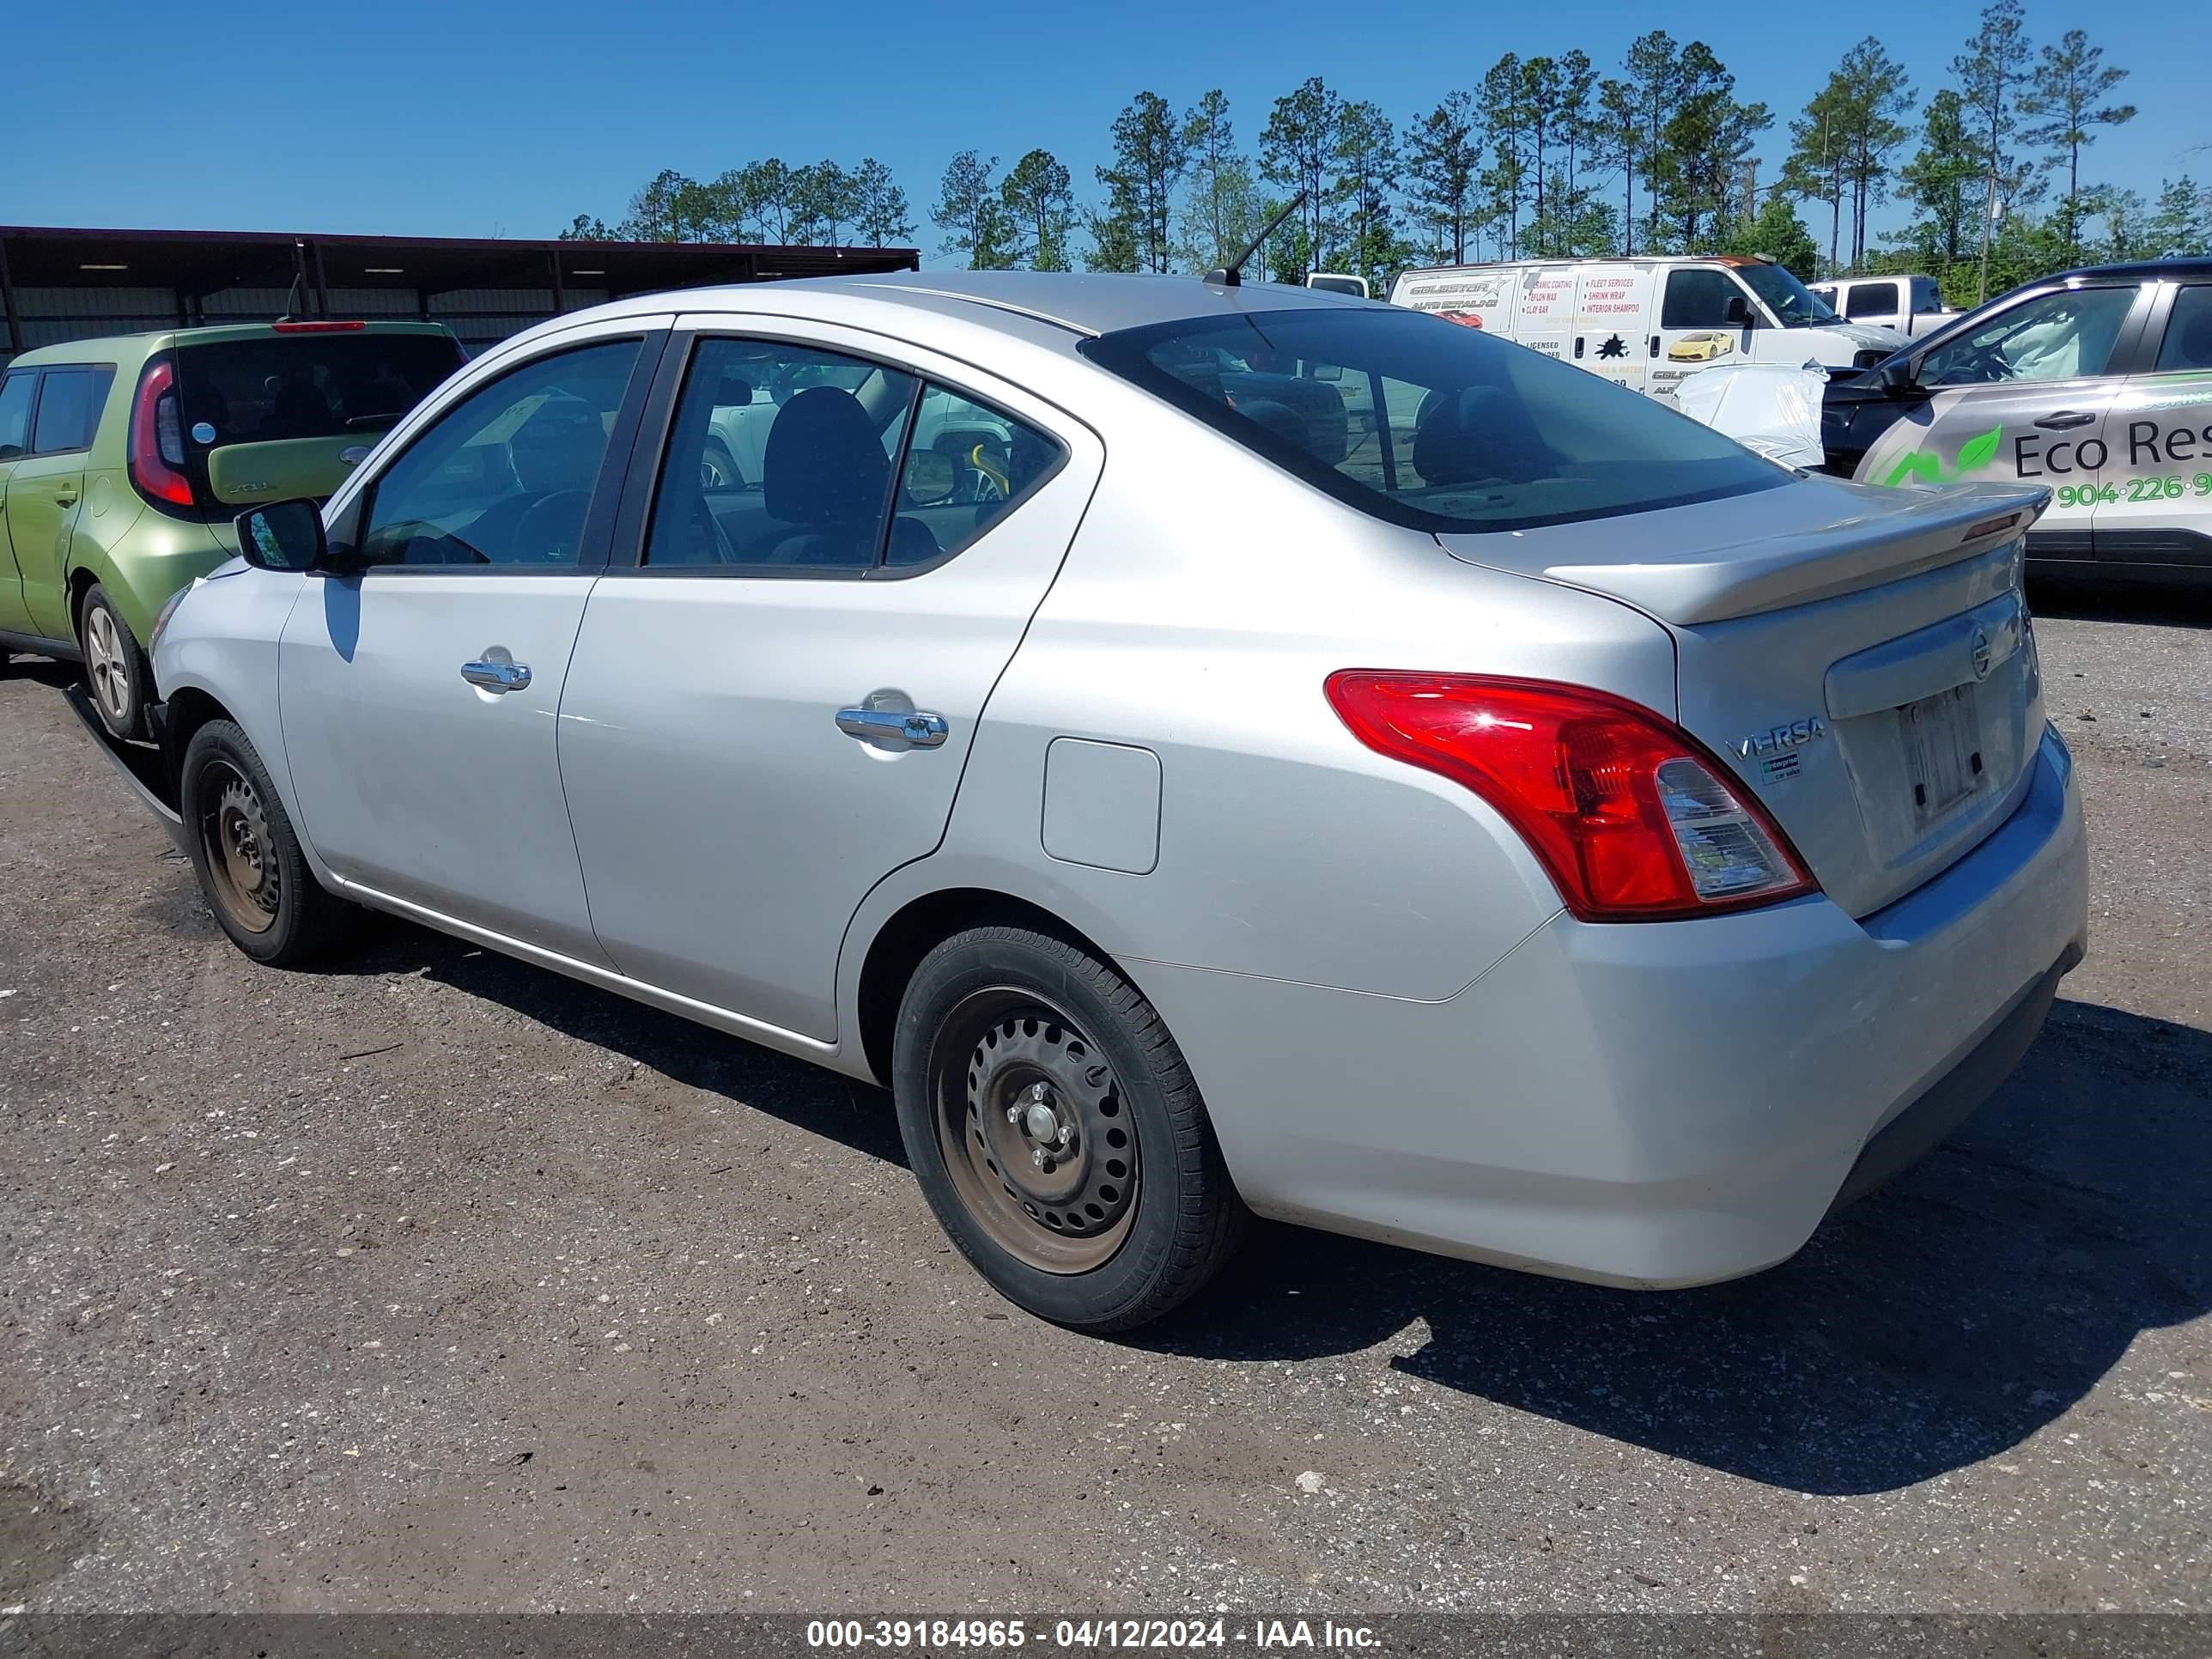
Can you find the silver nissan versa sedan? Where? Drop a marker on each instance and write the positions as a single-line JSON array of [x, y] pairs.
[[1520, 823]]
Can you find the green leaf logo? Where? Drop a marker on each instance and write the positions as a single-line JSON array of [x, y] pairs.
[[1979, 451], [1916, 466]]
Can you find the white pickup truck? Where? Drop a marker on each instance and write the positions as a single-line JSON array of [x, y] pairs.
[[1910, 305]]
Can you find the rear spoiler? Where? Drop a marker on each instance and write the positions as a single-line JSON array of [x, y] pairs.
[[1939, 527]]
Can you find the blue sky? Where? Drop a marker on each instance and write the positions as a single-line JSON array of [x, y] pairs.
[[484, 118]]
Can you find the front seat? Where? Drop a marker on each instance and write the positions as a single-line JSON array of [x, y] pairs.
[[824, 476]]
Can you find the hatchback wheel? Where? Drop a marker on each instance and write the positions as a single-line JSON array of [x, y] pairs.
[[1055, 1130], [114, 667], [247, 856]]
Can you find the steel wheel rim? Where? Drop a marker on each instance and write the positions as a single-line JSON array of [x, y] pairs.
[[1035, 1132], [104, 664], [234, 840]]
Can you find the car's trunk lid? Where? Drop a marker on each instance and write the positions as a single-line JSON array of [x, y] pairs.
[[1860, 658]]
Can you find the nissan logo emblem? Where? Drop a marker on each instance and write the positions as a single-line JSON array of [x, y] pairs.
[[1981, 654]]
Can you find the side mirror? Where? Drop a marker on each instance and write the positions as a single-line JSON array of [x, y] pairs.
[[930, 476], [1737, 313], [283, 536], [1897, 380]]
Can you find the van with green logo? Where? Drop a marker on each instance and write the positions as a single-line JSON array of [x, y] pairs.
[[125, 461]]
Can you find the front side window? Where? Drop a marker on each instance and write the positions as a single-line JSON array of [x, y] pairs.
[[15, 395], [69, 408], [1699, 298], [2057, 337], [1469, 433], [2188, 343], [504, 478], [1872, 299], [1797, 306]]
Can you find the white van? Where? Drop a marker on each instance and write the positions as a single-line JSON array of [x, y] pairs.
[[1648, 323], [1910, 305]]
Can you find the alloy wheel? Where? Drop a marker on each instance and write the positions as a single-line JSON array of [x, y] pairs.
[[107, 666]]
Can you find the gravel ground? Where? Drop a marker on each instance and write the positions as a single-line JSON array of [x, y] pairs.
[[440, 1283]]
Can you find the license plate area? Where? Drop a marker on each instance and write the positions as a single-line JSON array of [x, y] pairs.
[[1942, 740]]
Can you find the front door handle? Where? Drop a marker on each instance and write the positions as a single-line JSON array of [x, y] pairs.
[[496, 676], [2064, 420], [923, 731]]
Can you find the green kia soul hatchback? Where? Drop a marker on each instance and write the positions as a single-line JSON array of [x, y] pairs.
[[124, 461]]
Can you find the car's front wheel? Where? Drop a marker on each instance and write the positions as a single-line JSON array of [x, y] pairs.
[[114, 667], [1056, 1131], [247, 855]]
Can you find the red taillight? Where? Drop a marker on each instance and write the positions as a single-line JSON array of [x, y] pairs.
[[1634, 819], [157, 439], [317, 328]]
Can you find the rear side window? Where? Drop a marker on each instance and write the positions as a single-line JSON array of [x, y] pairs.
[[307, 385], [1872, 299], [2188, 343], [15, 413], [1697, 299], [1927, 298], [69, 400], [1468, 433]]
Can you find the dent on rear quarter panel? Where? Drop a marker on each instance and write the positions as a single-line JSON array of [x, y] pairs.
[[1207, 598]]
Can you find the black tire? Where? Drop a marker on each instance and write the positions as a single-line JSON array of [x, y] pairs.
[[1141, 1211], [247, 855], [115, 668]]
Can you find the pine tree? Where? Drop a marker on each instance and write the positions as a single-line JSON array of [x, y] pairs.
[[2069, 81]]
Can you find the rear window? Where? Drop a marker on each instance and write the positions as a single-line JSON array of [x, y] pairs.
[[1418, 422], [306, 385], [1874, 300]]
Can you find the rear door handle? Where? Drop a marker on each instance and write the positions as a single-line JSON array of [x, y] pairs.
[[2064, 420], [923, 731], [61, 499], [496, 676]]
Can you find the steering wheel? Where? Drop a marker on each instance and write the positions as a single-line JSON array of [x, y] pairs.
[[548, 531]]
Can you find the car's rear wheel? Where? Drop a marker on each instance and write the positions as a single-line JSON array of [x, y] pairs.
[[1057, 1133], [247, 855], [114, 667]]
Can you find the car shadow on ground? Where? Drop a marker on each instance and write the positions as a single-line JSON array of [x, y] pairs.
[[2086, 598], [1932, 1326]]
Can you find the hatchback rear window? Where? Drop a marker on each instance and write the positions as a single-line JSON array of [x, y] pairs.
[[1423, 422], [307, 385]]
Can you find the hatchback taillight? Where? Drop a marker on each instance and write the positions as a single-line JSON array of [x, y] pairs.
[[1633, 818], [157, 437]]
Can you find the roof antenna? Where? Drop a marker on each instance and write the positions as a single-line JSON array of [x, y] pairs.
[[1232, 274], [299, 276]]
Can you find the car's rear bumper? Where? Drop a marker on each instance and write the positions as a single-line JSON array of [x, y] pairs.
[[1658, 1104]]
